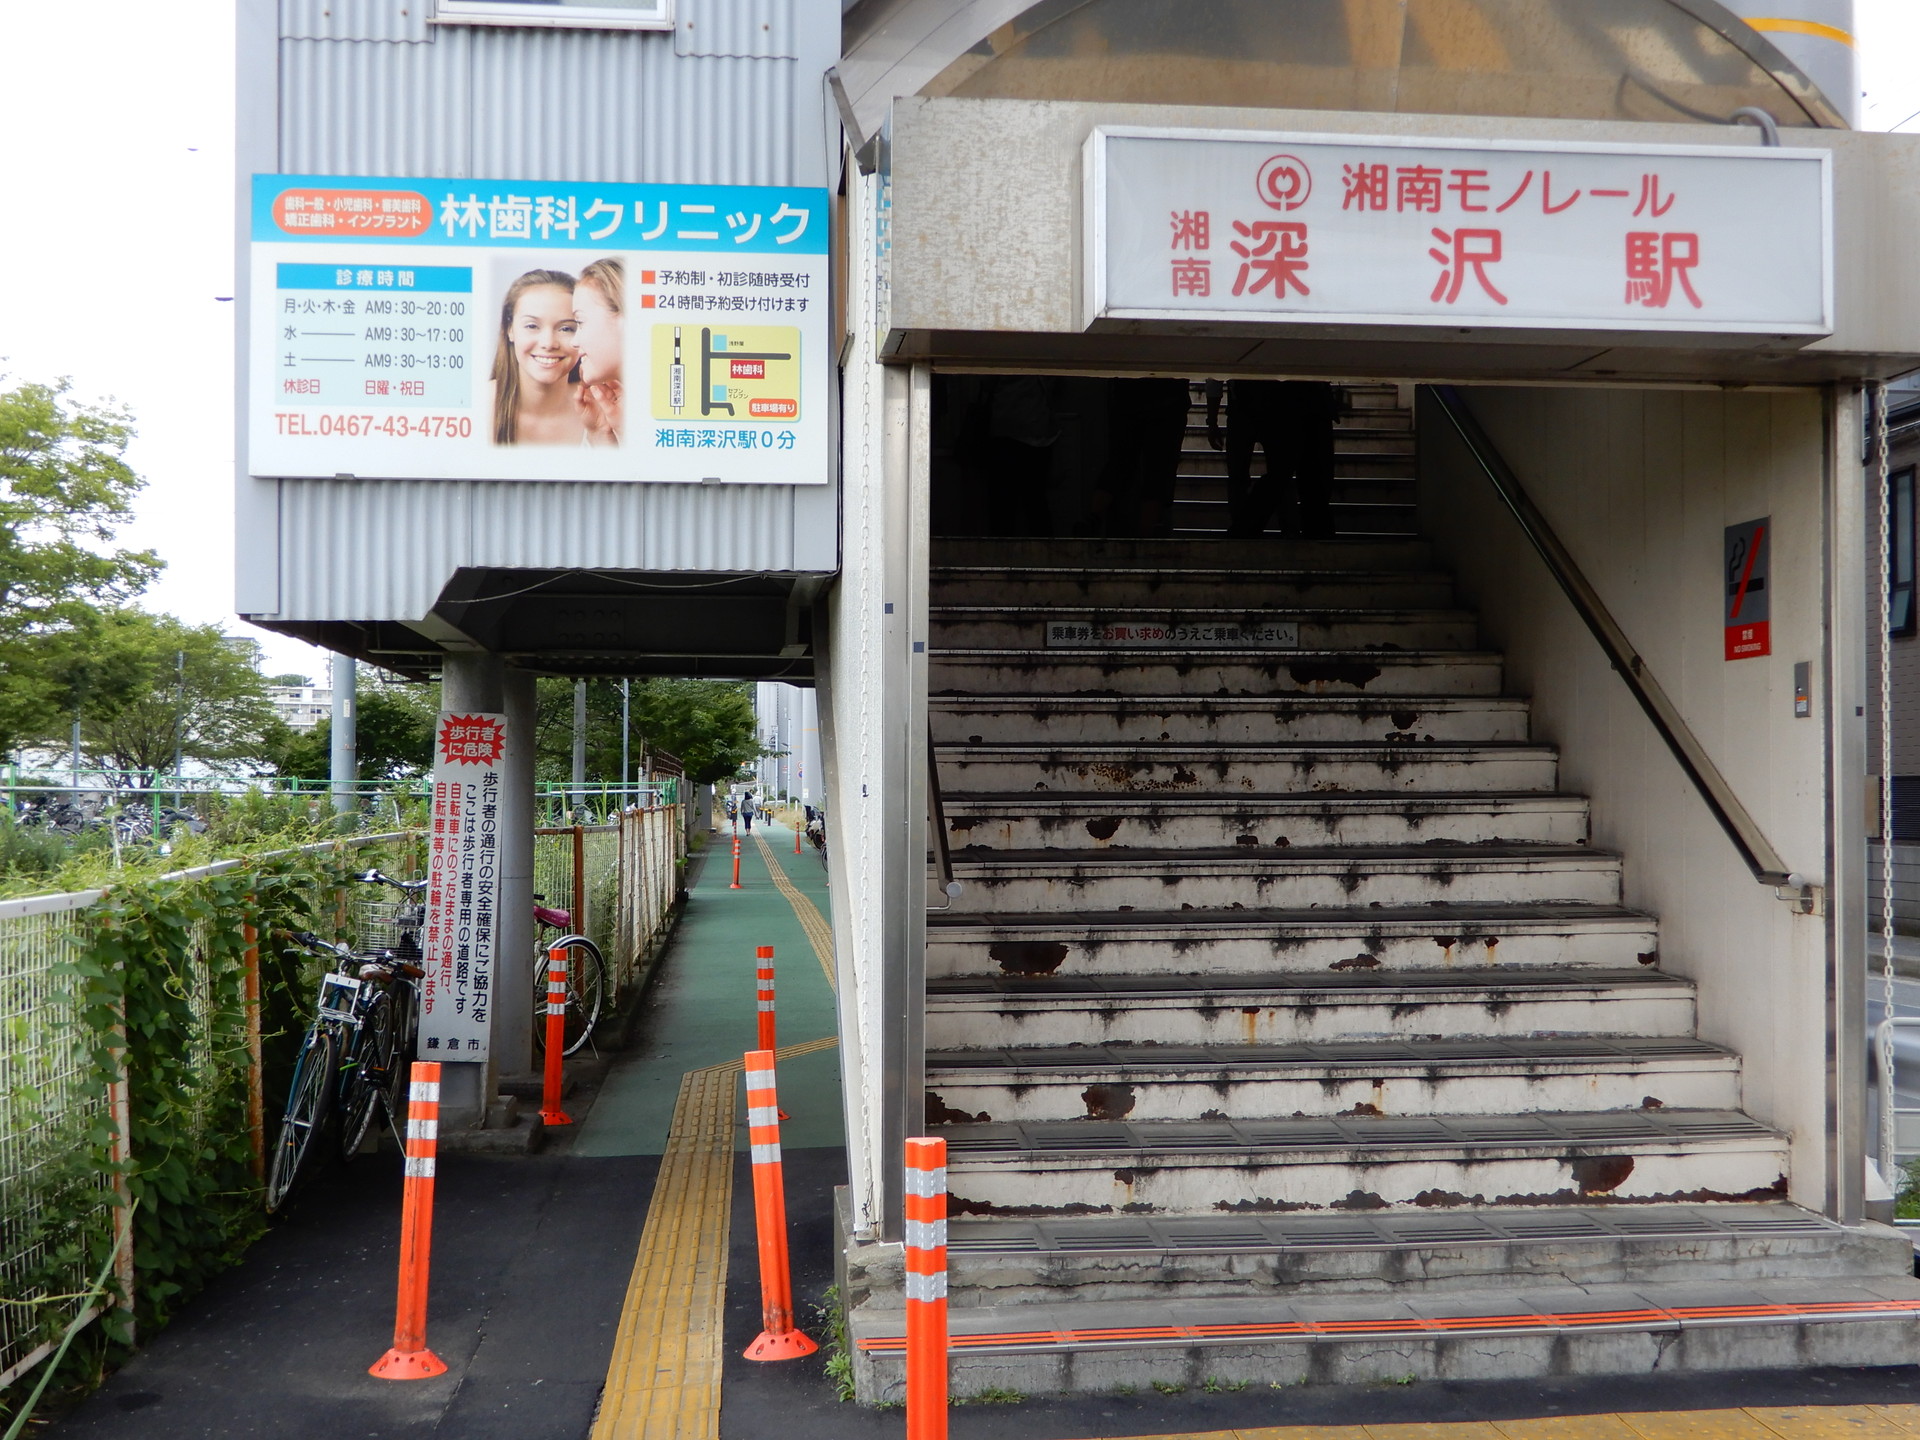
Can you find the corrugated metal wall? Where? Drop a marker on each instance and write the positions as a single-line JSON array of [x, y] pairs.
[[732, 96]]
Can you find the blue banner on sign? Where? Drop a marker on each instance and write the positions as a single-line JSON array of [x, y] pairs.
[[540, 214], [441, 279]]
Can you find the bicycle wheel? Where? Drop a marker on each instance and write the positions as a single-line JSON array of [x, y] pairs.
[[587, 987], [363, 1088], [308, 1104]]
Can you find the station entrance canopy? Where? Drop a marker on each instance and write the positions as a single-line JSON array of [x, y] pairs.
[[1198, 240]]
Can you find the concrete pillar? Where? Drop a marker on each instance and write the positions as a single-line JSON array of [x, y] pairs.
[[484, 683], [513, 997], [343, 770]]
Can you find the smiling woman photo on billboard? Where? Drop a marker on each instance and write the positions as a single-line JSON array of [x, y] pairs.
[[535, 363], [599, 307]]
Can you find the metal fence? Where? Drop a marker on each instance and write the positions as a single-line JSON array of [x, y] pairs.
[[52, 1090], [619, 881]]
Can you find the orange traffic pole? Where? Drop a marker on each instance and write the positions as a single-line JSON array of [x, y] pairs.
[[778, 1339], [926, 1264], [736, 860], [798, 826], [764, 996], [410, 1359], [550, 1111]]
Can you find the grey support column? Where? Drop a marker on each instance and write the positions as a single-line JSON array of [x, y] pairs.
[[513, 984], [485, 683]]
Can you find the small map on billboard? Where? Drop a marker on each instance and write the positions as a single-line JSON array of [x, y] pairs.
[[703, 373]]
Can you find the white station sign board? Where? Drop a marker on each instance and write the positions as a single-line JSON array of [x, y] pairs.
[[1238, 226]]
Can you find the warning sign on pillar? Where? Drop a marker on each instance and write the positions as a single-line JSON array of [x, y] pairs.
[[1745, 574], [463, 874]]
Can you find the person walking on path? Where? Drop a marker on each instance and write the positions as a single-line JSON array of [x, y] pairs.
[[747, 811]]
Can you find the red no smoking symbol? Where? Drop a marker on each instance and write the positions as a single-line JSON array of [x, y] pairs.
[[1285, 182]]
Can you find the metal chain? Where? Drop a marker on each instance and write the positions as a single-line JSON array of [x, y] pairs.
[[1886, 779]]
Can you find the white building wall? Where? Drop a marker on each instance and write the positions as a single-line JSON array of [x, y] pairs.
[[1639, 485]]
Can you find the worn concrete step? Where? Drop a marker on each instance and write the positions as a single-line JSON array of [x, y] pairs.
[[1545, 1328], [1047, 1260], [1299, 878], [1023, 820], [1010, 627], [1384, 1077], [1362, 1162], [1263, 553], [1534, 939], [1060, 720], [1354, 520], [1148, 586], [997, 1012], [1323, 768], [1134, 671]]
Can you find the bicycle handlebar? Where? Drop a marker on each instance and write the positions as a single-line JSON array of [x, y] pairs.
[[409, 887]]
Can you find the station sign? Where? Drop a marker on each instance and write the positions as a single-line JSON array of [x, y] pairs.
[[533, 330], [1390, 231]]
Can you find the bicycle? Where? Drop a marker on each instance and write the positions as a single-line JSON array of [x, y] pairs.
[[587, 982], [355, 1054]]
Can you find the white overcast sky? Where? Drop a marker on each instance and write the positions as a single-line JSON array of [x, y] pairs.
[[116, 237]]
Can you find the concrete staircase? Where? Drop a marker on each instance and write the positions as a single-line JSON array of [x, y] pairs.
[[1288, 1027]]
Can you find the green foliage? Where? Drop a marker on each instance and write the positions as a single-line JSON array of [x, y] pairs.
[[156, 992], [393, 735], [64, 488], [832, 1318], [708, 724], [149, 686]]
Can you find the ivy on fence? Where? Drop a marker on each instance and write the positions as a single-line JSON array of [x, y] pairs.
[[156, 981]]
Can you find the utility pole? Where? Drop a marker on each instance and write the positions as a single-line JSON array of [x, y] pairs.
[[579, 743], [344, 754], [179, 713], [626, 739]]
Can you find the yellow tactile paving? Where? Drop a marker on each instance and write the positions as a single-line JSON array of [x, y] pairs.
[[819, 933], [1796, 1422], [1566, 1427], [663, 1382]]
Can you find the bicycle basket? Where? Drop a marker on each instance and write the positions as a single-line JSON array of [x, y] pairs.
[[386, 924]]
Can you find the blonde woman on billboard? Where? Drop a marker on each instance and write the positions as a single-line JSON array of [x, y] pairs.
[[534, 363], [599, 307]]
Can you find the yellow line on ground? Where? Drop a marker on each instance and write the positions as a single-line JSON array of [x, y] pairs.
[[1797, 1422], [663, 1382], [811, 920]]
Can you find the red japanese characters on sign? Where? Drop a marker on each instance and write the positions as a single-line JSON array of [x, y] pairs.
[[471, 739], [1577, 237]]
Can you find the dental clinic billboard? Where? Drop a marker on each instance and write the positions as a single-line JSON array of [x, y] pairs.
[[522, 330]]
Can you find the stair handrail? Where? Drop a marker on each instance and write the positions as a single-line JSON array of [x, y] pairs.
[[937, 826], [1741, 828]]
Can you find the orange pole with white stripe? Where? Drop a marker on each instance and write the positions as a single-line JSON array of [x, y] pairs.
[[798, 826], [778, 1339], [763, 996], [736, 858], [410, 1359], [550, 1111], [926, 1264]]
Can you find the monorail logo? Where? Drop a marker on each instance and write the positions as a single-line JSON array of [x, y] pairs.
[[1285, 182]]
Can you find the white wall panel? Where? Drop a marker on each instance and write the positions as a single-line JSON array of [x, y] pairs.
[[355, 19]]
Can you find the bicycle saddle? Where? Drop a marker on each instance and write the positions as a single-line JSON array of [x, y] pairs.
[[559, 919]]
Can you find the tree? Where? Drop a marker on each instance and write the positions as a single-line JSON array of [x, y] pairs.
[[64, 488], [393, 735], [149, 687], [708, 724]]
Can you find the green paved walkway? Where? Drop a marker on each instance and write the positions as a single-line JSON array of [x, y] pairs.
[[701, 1011]]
